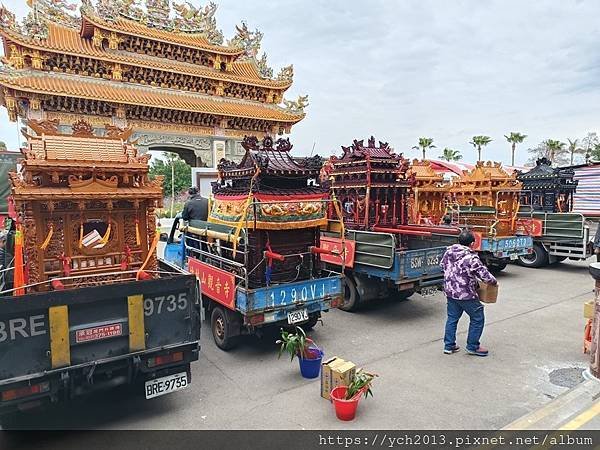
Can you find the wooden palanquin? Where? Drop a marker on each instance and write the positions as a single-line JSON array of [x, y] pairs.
[[85, 205]]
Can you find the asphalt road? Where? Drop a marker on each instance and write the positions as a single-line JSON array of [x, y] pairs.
[[534, 334]]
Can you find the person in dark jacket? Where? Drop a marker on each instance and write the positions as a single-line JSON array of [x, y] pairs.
[[597, 243], [196, 207], [462, 270]]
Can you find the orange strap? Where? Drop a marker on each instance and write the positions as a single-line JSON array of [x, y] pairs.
[[44, 245], [150, 253]]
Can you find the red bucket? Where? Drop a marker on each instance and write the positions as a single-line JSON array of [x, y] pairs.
[[344, 409]]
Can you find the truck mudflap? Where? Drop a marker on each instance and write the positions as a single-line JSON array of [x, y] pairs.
[[67, 340], [277, 301], [506, 247]]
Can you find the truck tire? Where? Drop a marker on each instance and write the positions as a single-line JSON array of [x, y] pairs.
[[221, 326], [351, 295], [312, 321], [498, 266], [405, 295], [537, 258]]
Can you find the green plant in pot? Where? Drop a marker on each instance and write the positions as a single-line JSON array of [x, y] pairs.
[[298, 344], [361, 383]]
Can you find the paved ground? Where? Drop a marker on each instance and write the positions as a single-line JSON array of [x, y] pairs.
[[534, 333]]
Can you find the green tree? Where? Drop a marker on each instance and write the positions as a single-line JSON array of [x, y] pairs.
[[554, 150], [574, 149], [424, 144], [588, 143], [162, 166], [450, 155], [594, 153], [478, 142], [2, 146], [514, 138]]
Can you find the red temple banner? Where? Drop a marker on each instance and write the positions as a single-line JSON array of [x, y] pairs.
[[217, 284]]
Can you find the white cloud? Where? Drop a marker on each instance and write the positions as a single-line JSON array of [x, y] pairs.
[[448, 70]]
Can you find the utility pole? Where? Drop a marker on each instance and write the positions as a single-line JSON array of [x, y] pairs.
[[172, 185]]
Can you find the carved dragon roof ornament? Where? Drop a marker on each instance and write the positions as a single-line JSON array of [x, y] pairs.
[[263, 68], [8, 20], [187, 17], [247, 40], [297, 105]]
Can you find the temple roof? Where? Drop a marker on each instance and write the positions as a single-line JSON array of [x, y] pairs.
[[69, 41], [423, 172], [358, 151], [271, 158], [544, 176], [486, 174], [193, 40], [89, 162], [133, 94]]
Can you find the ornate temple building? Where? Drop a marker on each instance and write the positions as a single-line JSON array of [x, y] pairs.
[[547, 188], [164, 70], [86, 205], [370, 182]]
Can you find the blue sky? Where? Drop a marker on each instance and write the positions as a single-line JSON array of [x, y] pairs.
[[442, 69]]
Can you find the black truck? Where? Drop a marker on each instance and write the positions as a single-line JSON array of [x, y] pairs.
[[60, 344]]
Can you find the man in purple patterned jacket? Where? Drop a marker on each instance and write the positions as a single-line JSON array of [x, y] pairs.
[[462, 270]]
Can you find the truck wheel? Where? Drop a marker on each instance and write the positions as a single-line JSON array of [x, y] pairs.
[[537, 258], [497, 267], [312, 321], [404, 295], [221, 327], [351, 296]]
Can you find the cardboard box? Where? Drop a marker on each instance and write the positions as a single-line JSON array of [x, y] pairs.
[[335, 372], [588, 309], [488, 293]]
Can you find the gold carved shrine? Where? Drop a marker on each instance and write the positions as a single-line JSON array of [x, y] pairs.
[[85, 205]]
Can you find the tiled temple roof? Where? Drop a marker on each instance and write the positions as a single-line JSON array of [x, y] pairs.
[[133, 94]]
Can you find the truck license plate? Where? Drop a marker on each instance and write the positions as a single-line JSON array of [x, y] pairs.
[[166, 385], [297, 316], [428, 291]]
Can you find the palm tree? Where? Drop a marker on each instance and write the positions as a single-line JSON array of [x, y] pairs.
[[574, 148], [450, 155], [425, 144], [554, 148], [478, 142], [514, 138]]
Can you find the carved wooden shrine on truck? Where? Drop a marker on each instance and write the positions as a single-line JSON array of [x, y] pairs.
[[85, 205], [370, 182], [547, 188], [428, 203], [488, 198], [271, 196]]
